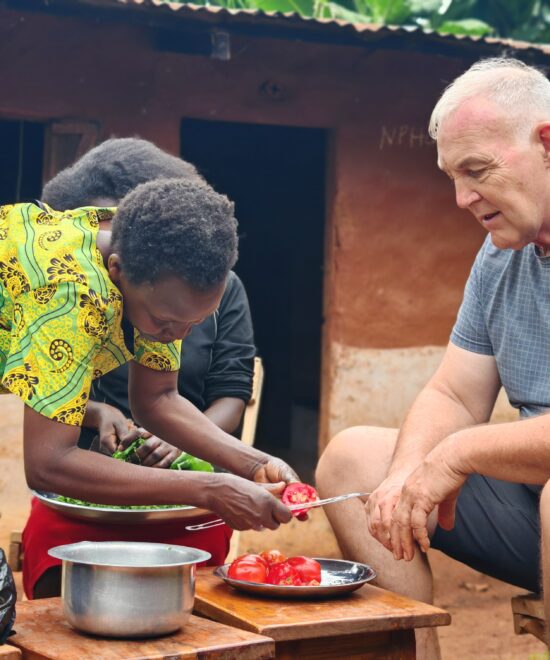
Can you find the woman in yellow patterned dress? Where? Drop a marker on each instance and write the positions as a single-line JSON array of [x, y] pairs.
[[76, 302]]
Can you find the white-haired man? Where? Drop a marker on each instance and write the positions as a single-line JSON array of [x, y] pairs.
[[447, 478]]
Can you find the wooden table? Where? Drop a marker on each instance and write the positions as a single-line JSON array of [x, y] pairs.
[[42, 633], [368, 623]]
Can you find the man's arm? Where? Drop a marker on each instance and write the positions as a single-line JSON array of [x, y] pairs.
[[54, 463], [515, 451], [461, 393]]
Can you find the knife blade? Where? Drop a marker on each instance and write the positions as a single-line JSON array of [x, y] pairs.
[[328, 500]]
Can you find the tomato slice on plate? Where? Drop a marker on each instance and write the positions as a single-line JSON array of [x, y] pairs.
[[249, 571], [308, 569], [260, 559], [298, 493], [283, 574], [272, 556]]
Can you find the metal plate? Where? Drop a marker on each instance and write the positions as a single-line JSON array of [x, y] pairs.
[[105, 515], [338, 577]]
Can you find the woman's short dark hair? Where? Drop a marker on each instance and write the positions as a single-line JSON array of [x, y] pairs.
[[112, 170], [176, 227]]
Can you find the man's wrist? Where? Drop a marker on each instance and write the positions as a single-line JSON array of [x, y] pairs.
[[457, 451]]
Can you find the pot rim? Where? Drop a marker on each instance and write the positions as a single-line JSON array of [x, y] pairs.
[[68, 551]]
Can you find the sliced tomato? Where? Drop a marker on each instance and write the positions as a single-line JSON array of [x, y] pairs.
[[283, 574], [257, 558], [298, 493], [272, 556], [308, 569], [248, 571]]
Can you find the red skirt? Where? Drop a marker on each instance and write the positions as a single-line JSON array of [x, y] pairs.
[[46, 528]]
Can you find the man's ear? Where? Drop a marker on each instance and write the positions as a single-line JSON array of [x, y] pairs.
[[114, 266], [543, 133]]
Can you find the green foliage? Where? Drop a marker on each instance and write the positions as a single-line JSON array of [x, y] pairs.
[[470, 26], [528, 20]]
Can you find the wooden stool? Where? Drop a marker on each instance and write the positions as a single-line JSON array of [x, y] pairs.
[[43, 634], [528, 611], [368, 623], [9, 652], [15, 553]]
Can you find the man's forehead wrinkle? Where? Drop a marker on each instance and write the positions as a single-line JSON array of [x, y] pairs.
[[480, 115]]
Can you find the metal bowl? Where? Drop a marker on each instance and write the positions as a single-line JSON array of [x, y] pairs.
[[124, 589], [338, 577]]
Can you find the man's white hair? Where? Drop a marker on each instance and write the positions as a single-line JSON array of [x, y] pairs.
[[522, 91]]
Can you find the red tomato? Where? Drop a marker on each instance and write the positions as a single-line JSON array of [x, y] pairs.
[[248, 571], [298, 493], [272, 556], [308, 569], [257, 558], [283, 573]]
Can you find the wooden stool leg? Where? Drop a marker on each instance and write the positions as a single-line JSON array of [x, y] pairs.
[[528, 611], [8, 652], [15, 555]]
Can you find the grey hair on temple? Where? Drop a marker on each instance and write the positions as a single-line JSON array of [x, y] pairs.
[[522, 91]]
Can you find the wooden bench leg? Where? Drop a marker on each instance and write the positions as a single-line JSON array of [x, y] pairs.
[[8, 652], [15, 555], [528, 611]]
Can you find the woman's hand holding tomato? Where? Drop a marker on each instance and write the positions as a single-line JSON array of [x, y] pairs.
[[299, 493], [274, 470]]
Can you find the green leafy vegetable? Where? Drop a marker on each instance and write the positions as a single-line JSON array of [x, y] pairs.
[[137, 507], [188, 462], [129, 454], [183, 462]]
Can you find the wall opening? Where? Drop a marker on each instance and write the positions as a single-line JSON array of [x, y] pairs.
[[21, 160], [276, 177]]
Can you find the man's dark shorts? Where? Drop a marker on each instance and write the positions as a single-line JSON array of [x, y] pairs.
[[497, 531]]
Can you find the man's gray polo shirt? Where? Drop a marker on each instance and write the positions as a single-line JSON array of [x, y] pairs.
[[506, 313]]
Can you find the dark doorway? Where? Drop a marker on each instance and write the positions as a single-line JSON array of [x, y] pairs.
[[276, 177], [21, 159]]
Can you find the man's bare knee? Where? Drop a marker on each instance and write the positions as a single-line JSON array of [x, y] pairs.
[[358, 458]]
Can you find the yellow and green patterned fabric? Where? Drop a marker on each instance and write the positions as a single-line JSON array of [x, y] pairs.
[[60, 314]]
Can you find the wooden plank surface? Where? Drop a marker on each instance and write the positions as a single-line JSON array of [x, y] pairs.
[[43, 634], [368, 609]]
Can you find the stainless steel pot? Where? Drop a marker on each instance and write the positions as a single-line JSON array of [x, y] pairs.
[[126, 589]]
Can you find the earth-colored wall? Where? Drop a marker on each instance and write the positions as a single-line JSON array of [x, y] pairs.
[[397, 250]]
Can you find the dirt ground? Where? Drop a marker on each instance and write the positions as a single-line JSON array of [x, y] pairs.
[[481, 628]]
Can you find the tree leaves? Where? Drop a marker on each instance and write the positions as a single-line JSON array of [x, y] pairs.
[[473, 27], [528, 20]]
